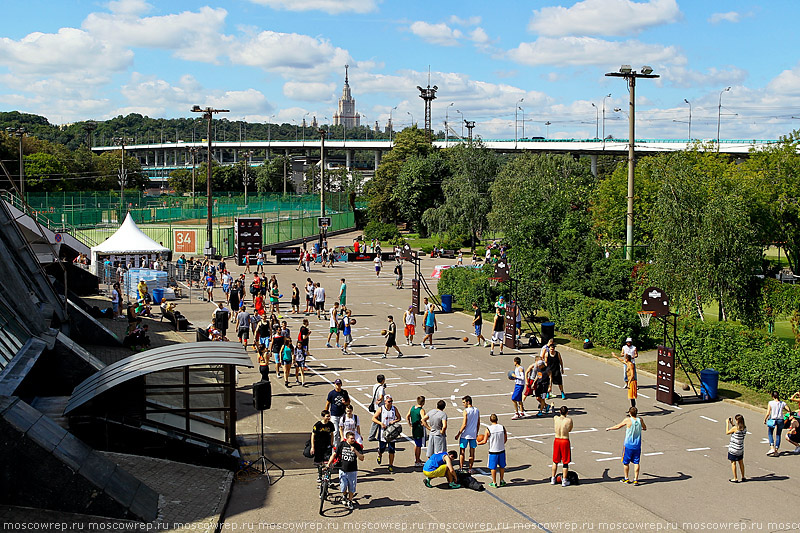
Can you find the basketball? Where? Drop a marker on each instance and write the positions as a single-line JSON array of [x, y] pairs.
[[465, 339], [685, 386], [383, 332], [481, 439], [353, 321], [511, 374]]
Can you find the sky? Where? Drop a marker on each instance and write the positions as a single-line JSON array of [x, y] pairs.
[[508, 65]]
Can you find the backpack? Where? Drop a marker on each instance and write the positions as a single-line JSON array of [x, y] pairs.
[[469, 482], [340, 324]]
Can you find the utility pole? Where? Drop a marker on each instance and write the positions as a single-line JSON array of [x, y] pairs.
[[247, 155], [630, 76], [208, 114], [19, 132], [193, 150], [322, 134]]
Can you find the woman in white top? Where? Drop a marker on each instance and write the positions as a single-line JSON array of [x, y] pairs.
[[773, 418], [350, 423]]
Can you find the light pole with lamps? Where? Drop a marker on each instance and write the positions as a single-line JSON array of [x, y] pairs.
[[604, 116], [547, 130], [194, 150], [630, 76], [719, 112], [596, 121], [208, 114], [412, 118], [523, 121], [446, 124], [20, 133], [246, 178]]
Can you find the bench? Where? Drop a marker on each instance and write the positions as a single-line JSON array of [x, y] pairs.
[[449, 254], [179, 322]]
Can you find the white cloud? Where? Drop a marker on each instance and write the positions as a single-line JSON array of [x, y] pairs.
[[192, 35], [730, 16], [291, 54], [458, 21], [129, 7], [334, 7], [603, 17], [787, 84], [684, 77], [59, 53], [591, 51], [440, 34], [311, 91], [479, 36]]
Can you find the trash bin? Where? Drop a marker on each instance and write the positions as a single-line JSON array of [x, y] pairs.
[[709, 383], [548, 331], [158, 295], [447, 303], [316, 248]]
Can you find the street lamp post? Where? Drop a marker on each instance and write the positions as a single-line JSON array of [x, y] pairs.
[[516, 108], [412, 118], [630, 76], [391, 125], [462, 123], [523, 121], [596, 121], [20, 133], [547, 131], [719, 112], [604, 117], [246, 179], [690, 118], [194, 151], [446, 125], [208, 114]]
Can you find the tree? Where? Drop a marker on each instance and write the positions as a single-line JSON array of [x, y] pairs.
[[269, 175], [45, 172], [181, 180], [380, 202], [540, 203], [419, 187], [467, 200]]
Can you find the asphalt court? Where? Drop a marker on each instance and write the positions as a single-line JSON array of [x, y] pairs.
[[685, 470]]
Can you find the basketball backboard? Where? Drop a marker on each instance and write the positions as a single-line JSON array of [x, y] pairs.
[[656, 301]]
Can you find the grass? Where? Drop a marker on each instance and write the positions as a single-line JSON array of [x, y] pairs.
[[783, 328], [732, 391]]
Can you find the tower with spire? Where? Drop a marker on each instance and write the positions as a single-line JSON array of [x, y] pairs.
[[346, 115]]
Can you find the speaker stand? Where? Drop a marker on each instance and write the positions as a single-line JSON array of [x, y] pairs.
[[263, 460]]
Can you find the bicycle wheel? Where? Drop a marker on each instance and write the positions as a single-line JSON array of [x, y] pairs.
[[323, 494]]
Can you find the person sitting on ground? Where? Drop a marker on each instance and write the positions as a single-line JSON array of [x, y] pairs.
[[441, 465]]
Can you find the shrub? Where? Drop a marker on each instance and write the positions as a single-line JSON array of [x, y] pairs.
[[452, 242], [381, 231], [469, 285]]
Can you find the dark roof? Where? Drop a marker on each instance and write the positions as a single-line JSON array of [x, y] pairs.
[[164, 358]]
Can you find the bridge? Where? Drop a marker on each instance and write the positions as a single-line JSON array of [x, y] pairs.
[[159, 159]]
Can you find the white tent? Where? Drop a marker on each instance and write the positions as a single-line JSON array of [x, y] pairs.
[[128, 244]]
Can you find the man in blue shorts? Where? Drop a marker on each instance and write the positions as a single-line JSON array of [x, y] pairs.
[[349, 453], [633, 443], [440, 465], [519, 388], [497, 437], [468, 433]]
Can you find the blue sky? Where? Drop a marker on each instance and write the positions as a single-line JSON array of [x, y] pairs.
[[281, 60]]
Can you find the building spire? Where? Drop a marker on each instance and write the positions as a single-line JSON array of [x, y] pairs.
[[346, 82]]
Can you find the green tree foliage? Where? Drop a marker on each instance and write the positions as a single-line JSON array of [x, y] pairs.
[[269, 175], [419, 187], [540, 203], [704, 246], [45, 172], [181, 180], [467, 201], [379, 190]]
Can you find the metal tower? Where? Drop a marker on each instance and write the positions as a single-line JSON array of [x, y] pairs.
[[428, 94], [470, 124]]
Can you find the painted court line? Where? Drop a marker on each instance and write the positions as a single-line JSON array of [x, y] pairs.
[[705, 417], [608, 459], [612, 384], [643, 395], [653, 453], [604, 453], [696, 449]]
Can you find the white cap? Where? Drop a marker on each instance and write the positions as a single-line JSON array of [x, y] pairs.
[[628, 340]]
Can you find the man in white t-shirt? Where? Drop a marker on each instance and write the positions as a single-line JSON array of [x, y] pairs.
[[378, 265], [319, 300], [497, 437], [333, 328], [630, 349], [468, 433]]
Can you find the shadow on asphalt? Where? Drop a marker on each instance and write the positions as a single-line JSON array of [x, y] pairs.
[[579, 396], [660, 411], [388, 502], [767, 477]]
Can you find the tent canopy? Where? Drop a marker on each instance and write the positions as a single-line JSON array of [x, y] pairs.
[[128, 239]]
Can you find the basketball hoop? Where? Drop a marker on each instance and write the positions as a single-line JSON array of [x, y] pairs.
[[644, 317], [494, 281]]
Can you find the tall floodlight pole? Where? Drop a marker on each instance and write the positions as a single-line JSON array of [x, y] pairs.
[[719, 112], [322, 134], [20, 133], [193, 150], [462, 123], [630, 76], [604, 116], [246, 179], [516, 108], [123, 176], [596, 121], [428, 94], [391, 124], [208, 114], [690, 118], [470, 125]]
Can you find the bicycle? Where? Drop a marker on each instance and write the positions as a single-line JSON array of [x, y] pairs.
[[324, 485]]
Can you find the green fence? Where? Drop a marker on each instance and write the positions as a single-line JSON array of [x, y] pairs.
[[85, 210], [275, 231]]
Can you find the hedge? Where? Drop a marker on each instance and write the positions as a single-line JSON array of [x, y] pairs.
[[468, 285], [741, 355], [605, 322]]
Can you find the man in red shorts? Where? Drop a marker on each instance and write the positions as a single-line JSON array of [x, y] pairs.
[[561, 449]]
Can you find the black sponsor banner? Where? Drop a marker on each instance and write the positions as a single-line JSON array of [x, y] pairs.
[[511, 326], [385, 256], [286, 255], [249, 239], [415, 295], [665, 375]]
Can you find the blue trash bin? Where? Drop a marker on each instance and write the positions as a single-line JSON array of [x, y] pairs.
[[158, 295], [316, 248], [709, 383], [548, 331], [447, 303]]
